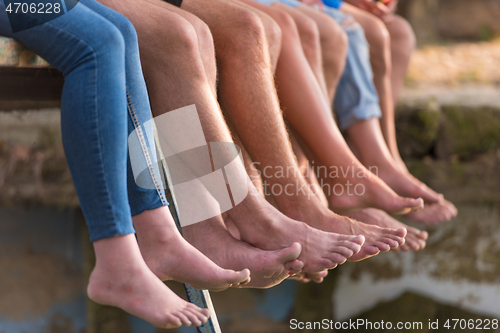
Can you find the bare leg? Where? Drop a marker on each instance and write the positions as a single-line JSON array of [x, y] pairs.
[[249, 98], [121, 278], [310, 40], [380, 56], [403, 43], [367, 139], [310, 115], [334, 46], [176, 77]]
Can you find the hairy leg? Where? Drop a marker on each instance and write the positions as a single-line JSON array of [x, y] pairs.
[[244, 63], [249, 99]]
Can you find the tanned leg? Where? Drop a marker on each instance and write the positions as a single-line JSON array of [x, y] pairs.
[[248, 97]]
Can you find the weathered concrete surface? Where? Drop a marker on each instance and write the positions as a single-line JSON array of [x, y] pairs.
[[443, 131], [41, 286], [476, 181], [453, 19], [417, 312], [459, 267], [33, 167]]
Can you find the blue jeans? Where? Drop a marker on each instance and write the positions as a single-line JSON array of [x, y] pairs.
[[356, 97], [104, 99]]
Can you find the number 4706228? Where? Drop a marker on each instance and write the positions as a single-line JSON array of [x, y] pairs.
[[475, 324], [33, 8]]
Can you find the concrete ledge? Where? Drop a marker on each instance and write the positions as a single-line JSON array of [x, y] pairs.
[[451, 125]]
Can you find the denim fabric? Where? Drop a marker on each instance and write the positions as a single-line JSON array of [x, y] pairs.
[[139, 109], [356, 97], [92, 45]]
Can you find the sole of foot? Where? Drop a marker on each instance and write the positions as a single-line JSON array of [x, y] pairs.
[[434, 213]]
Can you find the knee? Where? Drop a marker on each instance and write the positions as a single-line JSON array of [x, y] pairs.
[[179, 38], [309, 34], [334, 42], [287, 25], [126, 29], [380, 44], [244, 30], [109, 43], [402, 35], [273, 34], [273, 37], [205, 39]]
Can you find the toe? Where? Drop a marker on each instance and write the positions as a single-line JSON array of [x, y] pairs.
[[294, 266], [172, 321], [404, 248], [238, 277], [337, 258], [184, 319], [192, 317], [343, 251], [382, 246]]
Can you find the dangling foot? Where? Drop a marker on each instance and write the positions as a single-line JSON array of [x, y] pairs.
[[267, 268], [121, 278], [415, 239], [434, 213], [366, 190], [171, 257], [263, 226]]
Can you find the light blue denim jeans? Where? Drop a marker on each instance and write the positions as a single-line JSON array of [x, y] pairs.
[[356, 97], [104, 99]]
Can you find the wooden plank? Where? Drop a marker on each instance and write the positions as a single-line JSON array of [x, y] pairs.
[[25, 88]]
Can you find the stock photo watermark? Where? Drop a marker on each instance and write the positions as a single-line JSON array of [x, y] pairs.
[[363, 324], [206, 178], [26, 14], [333, 180]]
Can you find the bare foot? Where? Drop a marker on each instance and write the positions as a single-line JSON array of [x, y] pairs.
[[368, 249], [415, 239], [305, 277], [434, 213], [267, 268], [121, 278], [171, 257], [376, 238], [263, 226], [405, 184], [364, 190]]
